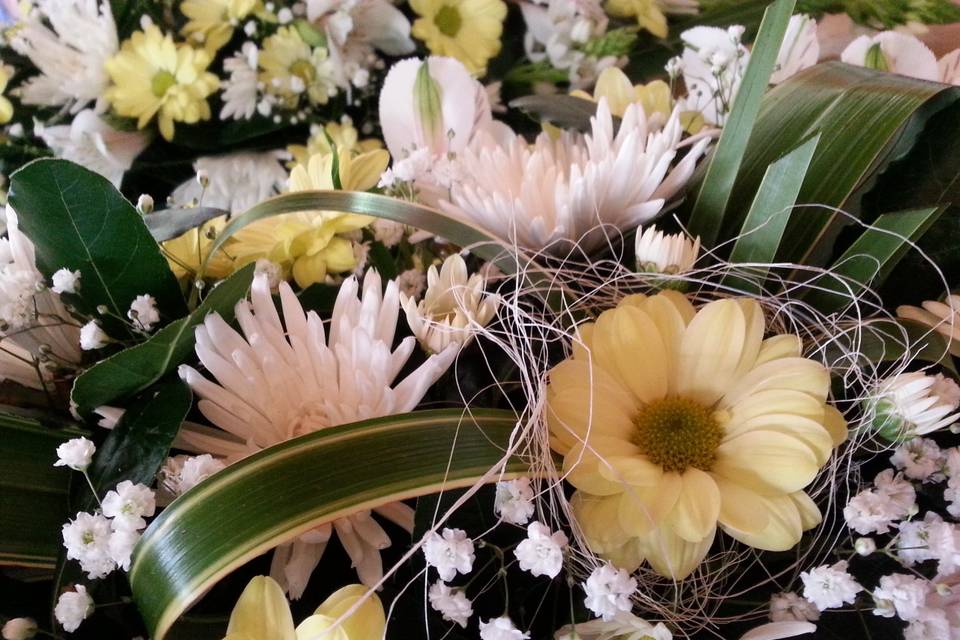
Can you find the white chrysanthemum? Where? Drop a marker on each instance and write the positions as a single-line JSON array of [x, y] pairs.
[[661, 252], [501, 628], [713, 63], [235, 181], [71, 55], [800, 48], [86, 539], [914, 404], [514, 501], [900, 595], [557, 31], [411, 283], [240, 88], [785, 607], [128, 505], [453, 309], [623, 626], [91, 141], [829, 587], [452, 604], [553, 193], [921, 459], [541, 553], [894, 52], [608, 591], [282, 380], [73, 607], [449, 552], [76, 454]]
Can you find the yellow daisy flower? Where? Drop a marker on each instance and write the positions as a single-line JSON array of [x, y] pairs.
[[211, 22], [468, 30], [290, 67], [186, 253], [343, 134], [310, 244], [152, 76], [647, 12], [6, 107], [673, 421]]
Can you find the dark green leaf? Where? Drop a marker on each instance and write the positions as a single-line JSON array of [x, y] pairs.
[[136, 368], [78, 220], [568, 112]]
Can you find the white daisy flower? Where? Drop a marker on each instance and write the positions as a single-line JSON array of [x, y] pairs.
[[661, 252], [240, 88], [914, 404]]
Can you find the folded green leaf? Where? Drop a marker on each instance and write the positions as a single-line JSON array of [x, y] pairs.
[[78, 220], [706, 217], [136, 368], [286, 490], [170, 223], [35, 493], [568, 112]]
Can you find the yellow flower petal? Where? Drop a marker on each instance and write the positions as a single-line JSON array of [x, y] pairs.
[[797, 374], [767, 462], [628, 556], [630, 467], [643, 509], [711, 351], [740, 508], [835, 424], [753, 336], [262, 612], [670, 555], [671, 324], [783, 529], [780, 346], [598, 517], [623, 338], [614, 85], [367, 622], [587, 467], [810, 515], [810, 432], [695, 514]]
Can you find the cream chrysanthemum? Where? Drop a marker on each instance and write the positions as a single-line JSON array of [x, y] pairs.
[[152, 76], [281, 380], [554, 193], [211, 22], [673, 421], [291, 67], [468, 30]]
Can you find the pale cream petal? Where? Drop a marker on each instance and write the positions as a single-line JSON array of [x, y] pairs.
[[753, 337], [672, 325], [627, 344], [710, 351], [835, 424], [584, 466], [695, 514], [783, 530], [810, 515], [797, 374], [599, 520], [740, 508], [628, 556], [633, 469], [572, 418], [638, 300], [784, 345], [672, 556], [642, 509], [681, 303], [767, 462], [808, 431], [583, 344], [775, 401]]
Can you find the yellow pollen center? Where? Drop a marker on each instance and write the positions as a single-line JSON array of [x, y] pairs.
[[162, 80], [448, 20], [677, 433]]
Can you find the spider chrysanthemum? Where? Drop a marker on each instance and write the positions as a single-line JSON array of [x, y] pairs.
[[673, 421]]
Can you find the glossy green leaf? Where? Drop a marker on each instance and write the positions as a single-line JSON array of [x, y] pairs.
[[871, 257], [710, 204], [762, 231], [134, 369], [78, 220], [34, 494], [170, 223], [283, 491]]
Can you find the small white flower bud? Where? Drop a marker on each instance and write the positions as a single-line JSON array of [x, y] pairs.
[[145, 204], [864, 546]]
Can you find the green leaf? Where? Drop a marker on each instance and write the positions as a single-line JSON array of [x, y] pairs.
[[35, 493], [167, 224], [763, 229], [567, 112], [78, 220], [134, 369], [871, 257], [889, 110], [281, 492], [136, 447], [711, 201]]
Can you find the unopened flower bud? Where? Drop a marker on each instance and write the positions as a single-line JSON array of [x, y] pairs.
[[943, 589], [203, 178], [144, 204], [102, 309], [864, 546]]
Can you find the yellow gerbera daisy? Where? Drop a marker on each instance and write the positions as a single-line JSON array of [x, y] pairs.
[[211, 22], [647, 12], [186, 253], [152, 76], [6, 107], [289, 67], [673, 421], [468, 30], [309, 244]]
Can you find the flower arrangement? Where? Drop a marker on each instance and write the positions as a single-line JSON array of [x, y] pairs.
[[475, 319]]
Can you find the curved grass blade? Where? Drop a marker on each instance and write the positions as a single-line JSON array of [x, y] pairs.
[[286, 490], [168, 224]]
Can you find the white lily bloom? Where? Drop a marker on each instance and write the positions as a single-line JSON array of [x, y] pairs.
[[235, 181], [71, 55], [713, 63], [555, 193], [661, 252], [800, 48], [914, 404], [453, 309], [894, 52], [90, 141], [279, 381]]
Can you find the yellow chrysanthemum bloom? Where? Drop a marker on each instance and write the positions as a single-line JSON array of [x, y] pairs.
[[344, 136], [673, 421], [309, 244], [289, 67], [211, 22], [647, 12], [468, 30], [186, 253], [152, 76], [263, 613], [6, 107]]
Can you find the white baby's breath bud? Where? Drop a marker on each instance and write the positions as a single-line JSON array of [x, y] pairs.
[[864, 546], [73, 607], [145, 204], [203, 178], [92, 336], [143, 311], [76, 454], [65, 281]]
